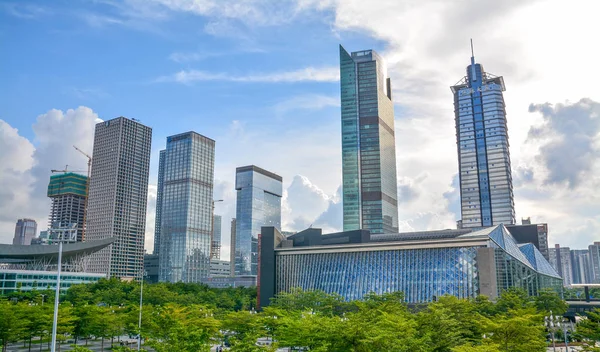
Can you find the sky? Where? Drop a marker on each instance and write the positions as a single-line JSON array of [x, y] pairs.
[[262, 79]]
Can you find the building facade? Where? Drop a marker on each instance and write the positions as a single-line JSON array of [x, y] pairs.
[[118, 196], [532, 233], [29, 280], [216, 240], [560, 259], [68, 194], [219, 268], [25, 231], [232, 247], [483, 150], [595, 261], [186, 208], [151, 268], [582, 266], [355, 263], [159, 196], [369, 181], [258, 204]]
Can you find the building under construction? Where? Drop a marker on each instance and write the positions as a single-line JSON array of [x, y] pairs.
[[68, 194]]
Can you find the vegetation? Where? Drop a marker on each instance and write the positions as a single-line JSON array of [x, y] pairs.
[[190, 317]]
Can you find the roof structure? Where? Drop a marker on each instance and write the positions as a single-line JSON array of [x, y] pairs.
[[15, 254]]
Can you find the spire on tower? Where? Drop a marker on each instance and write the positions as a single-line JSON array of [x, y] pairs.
[[473, 75]]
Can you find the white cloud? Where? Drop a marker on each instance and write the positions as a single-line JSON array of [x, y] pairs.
[[323, 74], [306, 102]]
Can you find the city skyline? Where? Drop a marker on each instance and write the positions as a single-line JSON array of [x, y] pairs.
[[290, 121]]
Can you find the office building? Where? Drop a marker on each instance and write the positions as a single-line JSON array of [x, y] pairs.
[[258, 204], [225, 282], [159, 196], [25, 231], [186, 209], [482, 142], [216, 240], [151, 268], [370, 191], [582, 266], [219, 268], [232, 248], [537, 234], [68, 194], [595, 261], [560, 258], [422, 265], [118, 195]]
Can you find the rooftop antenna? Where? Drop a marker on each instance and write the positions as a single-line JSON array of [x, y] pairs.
[[473, 73]]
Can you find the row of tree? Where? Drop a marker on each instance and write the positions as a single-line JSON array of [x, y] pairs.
[[188, 317]]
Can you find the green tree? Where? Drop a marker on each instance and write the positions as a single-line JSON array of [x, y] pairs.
[[517, 331], [513, 298], [588, 331], [11, 323], [548, 300], [486, 347]]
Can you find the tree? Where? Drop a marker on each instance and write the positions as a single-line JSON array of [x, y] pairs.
[[513, 298], [548, 301], [486, 347], [517, 331], [588, 331], [11, 323]]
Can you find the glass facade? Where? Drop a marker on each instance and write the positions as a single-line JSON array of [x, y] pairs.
[[369, 180], [29, 280], [258, 204], [483, 149], [186, 209], [216, 240], [159, 195], [423, 269]]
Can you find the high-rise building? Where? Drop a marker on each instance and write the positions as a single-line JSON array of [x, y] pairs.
[[216, 240], [68, 194], [25, 231], [595, 261], [186, 209], [370, 191], [258, 204], [560, 259], [118, 196], [159, 195], [537, 234], [232, 248], [483, 157], [582, 266]]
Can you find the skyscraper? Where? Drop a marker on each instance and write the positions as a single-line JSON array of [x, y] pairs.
[[370, 190], [258, 204], [68, 194], [186, 208], [159, 192], [118, 196], [483, 157], [560, 259], [232, 247], [582, 266], [595, 261], [25, 231], [216, 240]]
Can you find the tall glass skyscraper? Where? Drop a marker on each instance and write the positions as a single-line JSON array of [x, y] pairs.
[[159, 192], [483, 158], [186, 208], [258, 204], [216, 240], [370, 190], [118, 196]]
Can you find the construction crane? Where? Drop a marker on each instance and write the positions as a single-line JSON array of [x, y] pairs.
[[87, 190]]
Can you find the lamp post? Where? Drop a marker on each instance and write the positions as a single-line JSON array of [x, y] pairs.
[[555, 323], [60, 232], [139, 344]]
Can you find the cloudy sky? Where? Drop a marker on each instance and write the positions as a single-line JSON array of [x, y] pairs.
[[261, 78]]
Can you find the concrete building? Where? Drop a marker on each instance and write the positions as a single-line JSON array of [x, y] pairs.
[[532, 233], [258, 204], [483, 150], [226, 282], [216, 239], [560, 259], [219, 268], [582, 266], [187, 208], [68, 194], [369, 181], [595, 261], [423, 265], [232, 248], [25, 231], [118, 196]]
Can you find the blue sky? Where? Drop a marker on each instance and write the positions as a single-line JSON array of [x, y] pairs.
[[260, 77]]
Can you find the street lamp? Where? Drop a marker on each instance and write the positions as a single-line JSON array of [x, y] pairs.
[[139, 345], [553, 323]]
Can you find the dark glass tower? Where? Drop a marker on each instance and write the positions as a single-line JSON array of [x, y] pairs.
[[483, 156], [370, 190]]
